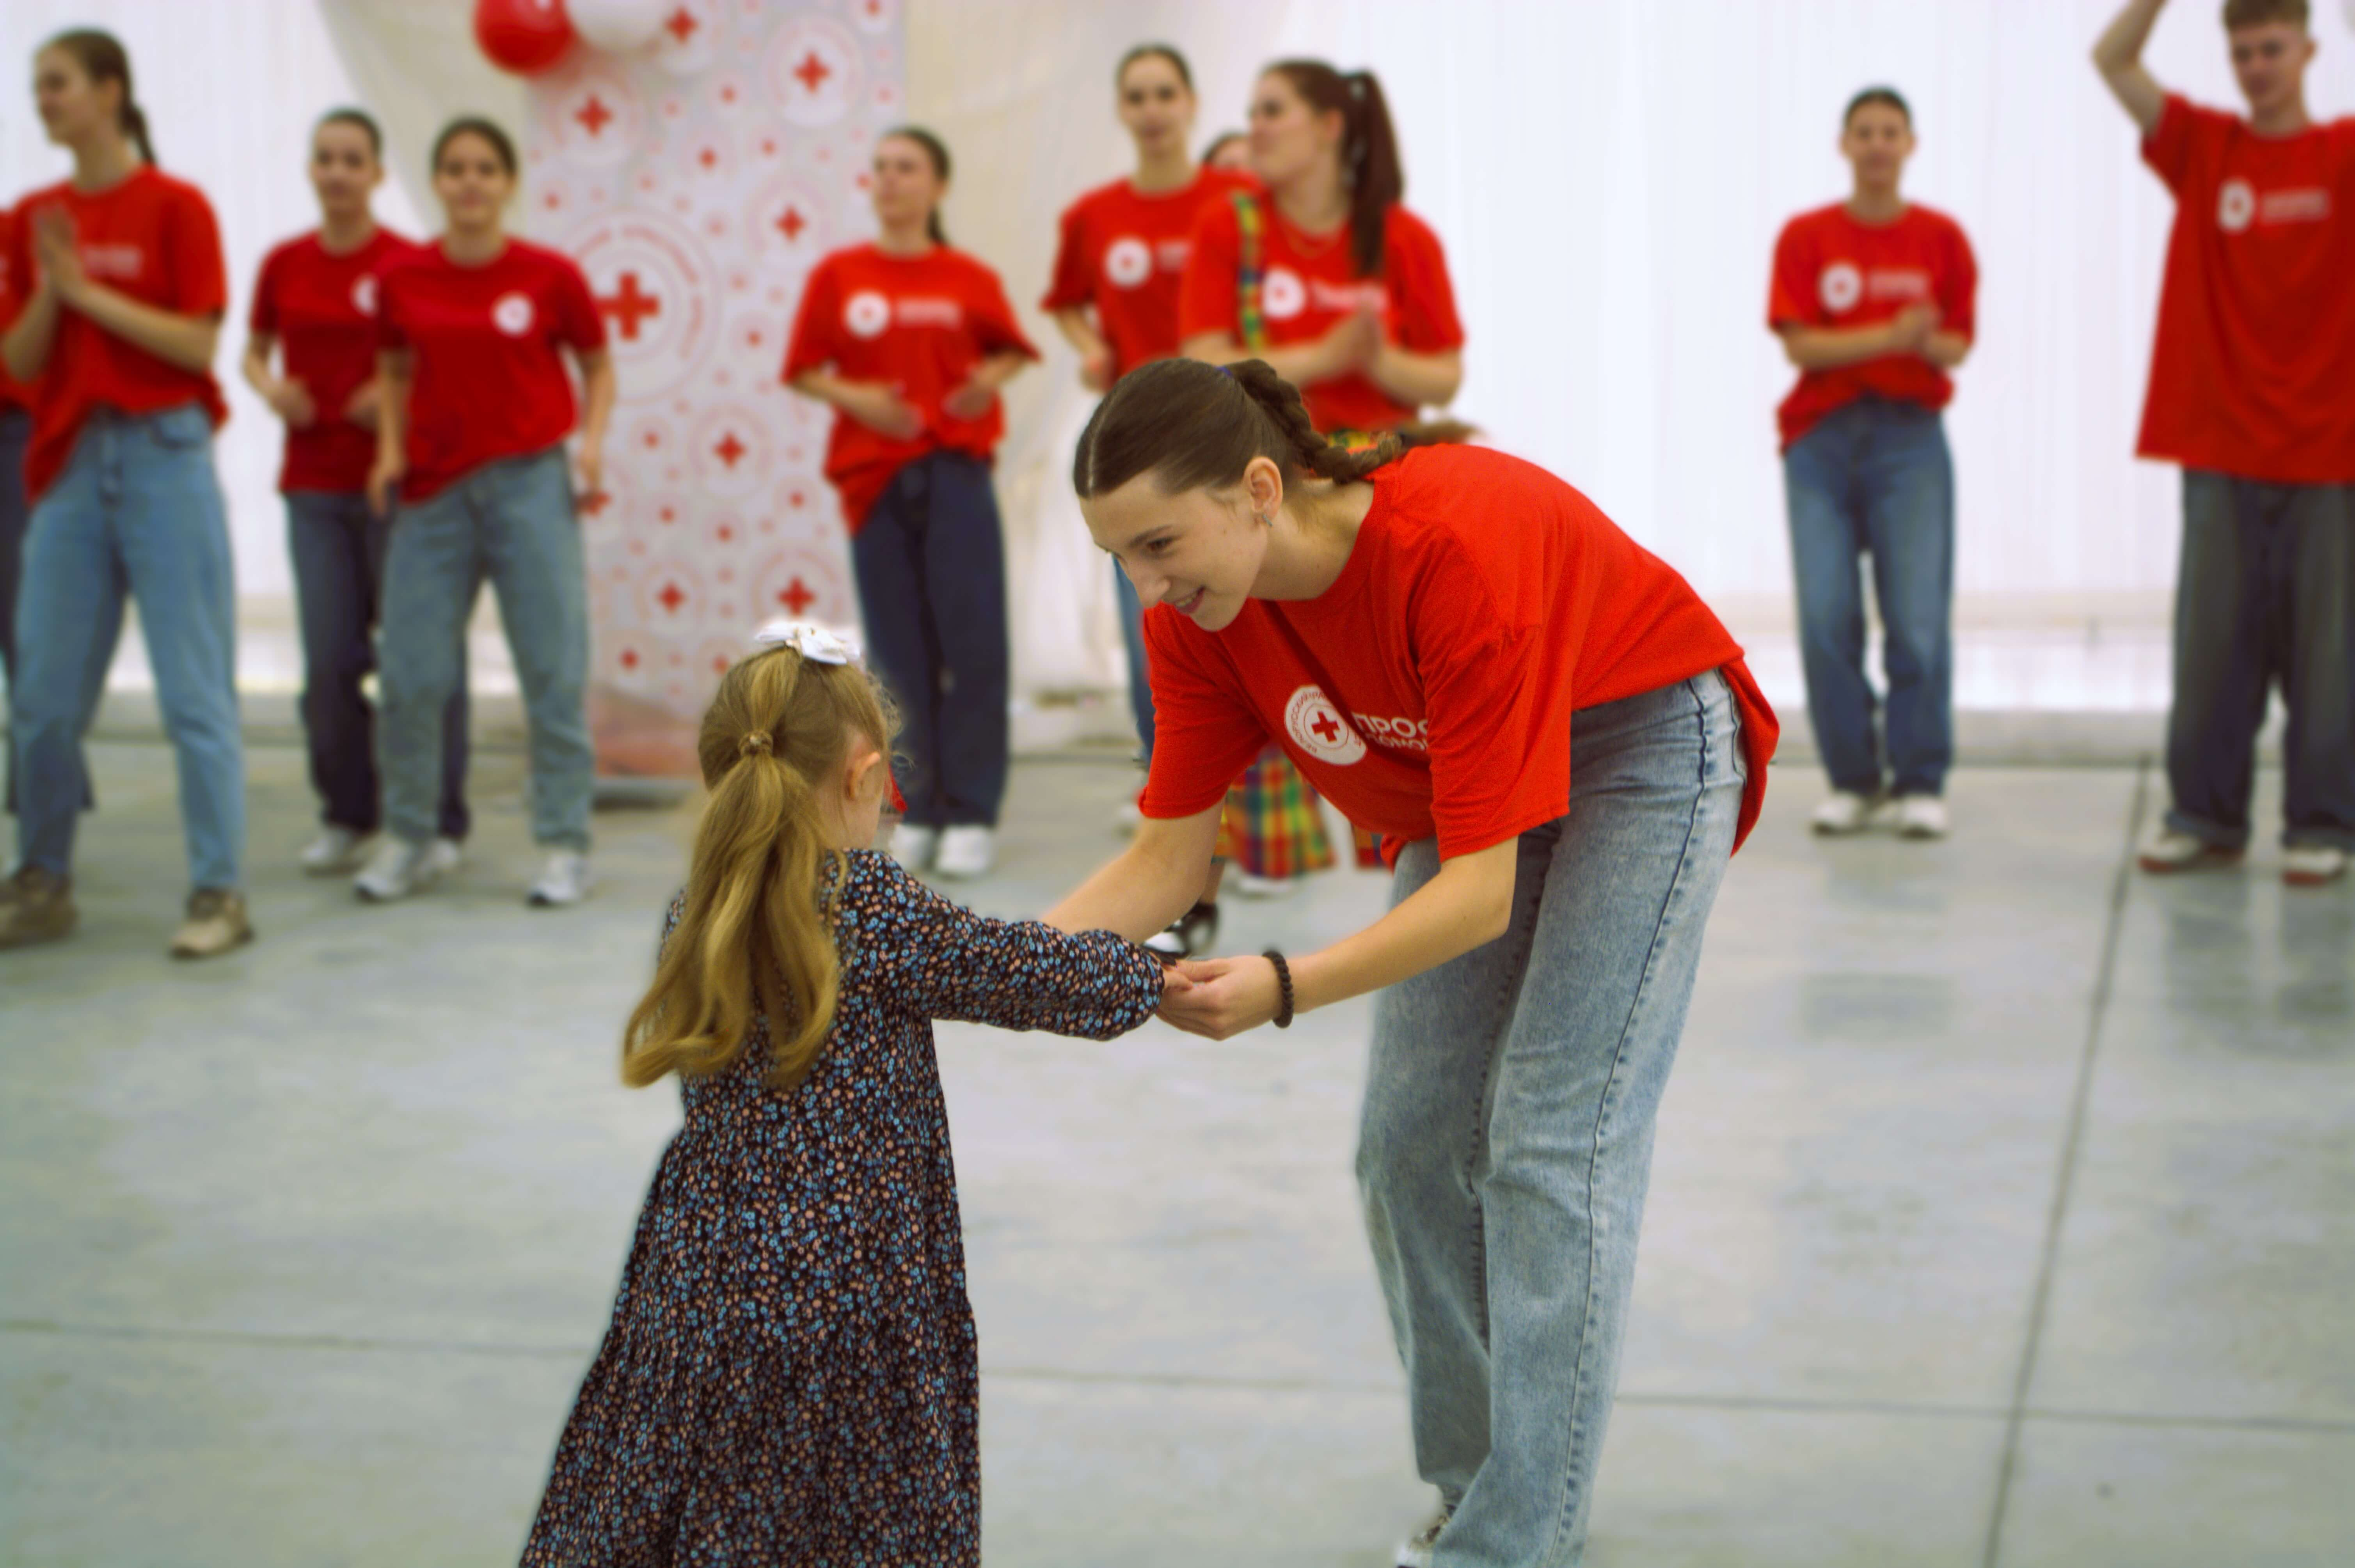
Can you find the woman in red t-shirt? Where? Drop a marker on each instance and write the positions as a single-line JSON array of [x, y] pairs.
[[15, 437], [910, 339], [119, 287], [315, 310], [1873, 298], [473, 333], [1560, 747]]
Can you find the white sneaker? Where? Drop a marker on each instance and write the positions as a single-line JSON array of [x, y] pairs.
[[2311, 865], [1250, 886], [564, 880], [1921, 817], [1844, 812], [2167, 850], [442, 856], [398, 869], [913, 846], [967, 851], [1415, 1551], [334, 853]]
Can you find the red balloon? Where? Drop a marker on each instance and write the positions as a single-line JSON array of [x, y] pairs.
[[525, 36]]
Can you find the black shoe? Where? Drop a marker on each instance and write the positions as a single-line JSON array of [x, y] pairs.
[[1188, 936]]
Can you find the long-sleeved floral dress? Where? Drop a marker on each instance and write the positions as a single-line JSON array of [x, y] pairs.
[[790, 1376]]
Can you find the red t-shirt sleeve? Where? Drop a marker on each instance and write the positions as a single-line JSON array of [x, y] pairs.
[[1204, 735], [1206, 294], [2168, 148], [1485, 686], [812, 343], [1073, 284], [199, 272], [1790, 299], [264, 315], [1958, 298], [579, 327], [1427, 323], [994, 326]]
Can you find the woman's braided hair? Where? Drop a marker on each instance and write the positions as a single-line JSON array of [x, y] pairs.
[[1193, 426]]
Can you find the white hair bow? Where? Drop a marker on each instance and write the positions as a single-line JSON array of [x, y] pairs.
[[811, 641]]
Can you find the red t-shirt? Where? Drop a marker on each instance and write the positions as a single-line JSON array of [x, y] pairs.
[[1125, 253], [486, 368], [1430, 690], [321, 309], [2254, 370], [1831, 271], [919, 322], [12, 396], [1308, 284], [153, 239]]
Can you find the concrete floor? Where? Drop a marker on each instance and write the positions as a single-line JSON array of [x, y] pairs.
[[2004, 1213]]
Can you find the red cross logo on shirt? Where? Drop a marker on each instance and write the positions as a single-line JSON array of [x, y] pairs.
[[812, 71], [682, 24], [797, 597], [627, 306], [1328, 728], [594, 115]]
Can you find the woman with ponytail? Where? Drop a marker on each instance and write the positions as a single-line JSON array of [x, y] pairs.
[[1560, 747], [791, 1368], [117, 289], [909, 341]]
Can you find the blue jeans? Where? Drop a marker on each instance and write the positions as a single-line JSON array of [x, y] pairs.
[[1875, 479], [2266, 592], [136, 513], [511, 520], [1506, 1141], [931, 587], [338, 545], [1140, 686]]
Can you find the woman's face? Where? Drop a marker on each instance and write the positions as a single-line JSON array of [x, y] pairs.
[[1233, 154], [72, 105], [474, 184], [1198, 552], [907, 186], [1290, 137], [1157, 106], [1877, 141], [344, 167]]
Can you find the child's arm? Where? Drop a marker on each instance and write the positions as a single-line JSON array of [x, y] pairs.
[[943, 961]]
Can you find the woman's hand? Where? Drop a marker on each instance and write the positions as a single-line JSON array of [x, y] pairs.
[[383, 481], [1913, 326], [1352, 343], [1224, 997], [361, 408], [55, 255], [588, 468], [882, 411], [290, 401], [1095, 370], [970, 401]]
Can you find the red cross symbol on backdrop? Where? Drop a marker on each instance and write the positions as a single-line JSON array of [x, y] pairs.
[[627, 306], [1328, 728], [671, 596], [791, 224], [797, 597], [682, 24], [812, 71], [729, 450], [594, 115]]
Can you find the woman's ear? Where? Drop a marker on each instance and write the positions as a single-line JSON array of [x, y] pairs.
[[1264, 483]]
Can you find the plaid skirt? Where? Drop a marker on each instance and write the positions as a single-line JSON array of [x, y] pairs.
[[1272, 826]]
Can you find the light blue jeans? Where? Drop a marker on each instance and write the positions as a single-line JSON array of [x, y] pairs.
[[137, 514], [512, 522], [1508, 1135], [1875, 479]]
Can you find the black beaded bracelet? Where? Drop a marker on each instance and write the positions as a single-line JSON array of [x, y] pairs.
[[1283, 978]]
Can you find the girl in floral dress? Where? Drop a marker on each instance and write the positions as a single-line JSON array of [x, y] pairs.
[[790, 1373]]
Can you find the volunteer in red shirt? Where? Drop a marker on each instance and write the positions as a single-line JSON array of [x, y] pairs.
[[910, 339], [16, 511], [118, 286], [1560, 747], [473, 332], [2250, 392], [1117, 269], [314, 308], [1873, 298]]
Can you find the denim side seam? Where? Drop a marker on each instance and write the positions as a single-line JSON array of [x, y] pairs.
[[1579, 1403], [1506, 993]]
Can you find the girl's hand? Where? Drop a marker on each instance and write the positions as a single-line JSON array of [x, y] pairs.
[[383, 481], [1224, 997], [1353, 342], [361, 410], [882, 411], [589, 466], [55, 255], [970, 401], [1095, 370], [290, 401]]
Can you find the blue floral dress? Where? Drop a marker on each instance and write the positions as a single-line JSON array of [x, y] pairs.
[[790, 1377]]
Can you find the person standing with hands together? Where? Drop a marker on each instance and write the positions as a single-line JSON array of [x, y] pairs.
[[2252, 392], [473, 333], [1873, 299], [315, 310], [910, 339], [118, 286]]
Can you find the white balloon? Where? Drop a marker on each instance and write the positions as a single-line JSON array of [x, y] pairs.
[[616, 27]]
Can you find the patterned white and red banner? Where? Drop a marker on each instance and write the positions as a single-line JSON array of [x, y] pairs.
[[697, 181]]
